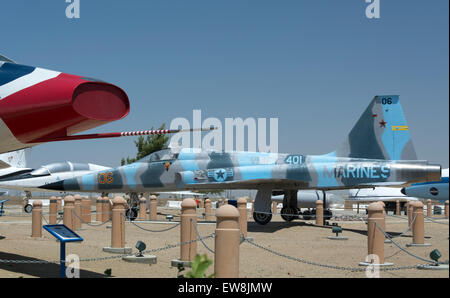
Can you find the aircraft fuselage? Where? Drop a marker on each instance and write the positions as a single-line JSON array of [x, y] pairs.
[[195, 169]]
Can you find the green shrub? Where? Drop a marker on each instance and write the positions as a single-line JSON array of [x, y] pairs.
[[198, 268]]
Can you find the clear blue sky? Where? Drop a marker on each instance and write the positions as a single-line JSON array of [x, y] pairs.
[[313, 64]]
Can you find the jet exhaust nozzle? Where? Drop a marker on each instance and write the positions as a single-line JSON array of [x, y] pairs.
[[433, 173]]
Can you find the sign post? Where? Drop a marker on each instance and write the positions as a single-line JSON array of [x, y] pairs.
[[1, 207]]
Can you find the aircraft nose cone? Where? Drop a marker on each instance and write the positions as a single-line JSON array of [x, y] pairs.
[[63, 185], [54, 186], [403, 191]]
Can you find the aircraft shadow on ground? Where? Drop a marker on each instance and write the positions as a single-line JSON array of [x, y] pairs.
[[39, 270], [272, 227]]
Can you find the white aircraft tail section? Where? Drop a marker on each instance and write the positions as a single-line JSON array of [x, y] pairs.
[[15, 159]]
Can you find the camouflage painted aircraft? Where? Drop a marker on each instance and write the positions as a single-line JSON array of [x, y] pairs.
[[377, 152]]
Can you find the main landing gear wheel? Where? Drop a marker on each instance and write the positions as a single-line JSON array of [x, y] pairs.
[[308, 215], [289, 214], [131, 213], [28, 208], [262, 218], [327, 214]]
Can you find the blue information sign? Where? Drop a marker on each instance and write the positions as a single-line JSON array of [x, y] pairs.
[[63, 234]]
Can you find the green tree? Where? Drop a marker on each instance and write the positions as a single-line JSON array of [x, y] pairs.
[[147, 145]]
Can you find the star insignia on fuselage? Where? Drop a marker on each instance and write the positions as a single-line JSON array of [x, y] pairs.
[[221, 175], [383, 123]]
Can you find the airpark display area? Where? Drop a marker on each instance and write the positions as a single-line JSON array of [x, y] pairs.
[[279, 249]]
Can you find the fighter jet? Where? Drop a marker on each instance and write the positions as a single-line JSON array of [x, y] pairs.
[[370, 156], [31, 180], [47, 174], [306, 199], [388, 195], [437, 190], [38, 105], [13, 163]]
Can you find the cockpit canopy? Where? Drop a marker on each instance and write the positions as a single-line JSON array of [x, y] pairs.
[[162, 155], [58, 168]]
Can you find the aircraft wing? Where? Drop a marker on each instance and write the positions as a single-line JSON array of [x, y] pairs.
[[182, 193], [13, 171], [274, 183], [386, 184]]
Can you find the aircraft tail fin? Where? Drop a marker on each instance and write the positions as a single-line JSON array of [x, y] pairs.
[[380, 133], [16, 159]]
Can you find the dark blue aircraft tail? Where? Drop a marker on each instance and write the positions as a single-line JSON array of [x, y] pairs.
[[380, 133]]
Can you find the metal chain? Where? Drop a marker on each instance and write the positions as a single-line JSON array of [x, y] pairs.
[[396, 216], [407, 230], [16, 214], [409, 253], [435, 221], [302, 260], [2, 261], [149, 250], [311, 215], [353, 269], [165, 214], [95, 212], [43, 217], [198, 235], [393, 255], [271, 213], [88, 223], [154, 231]]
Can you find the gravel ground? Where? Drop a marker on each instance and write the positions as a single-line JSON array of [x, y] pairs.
[[299, 239]]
